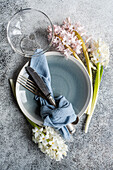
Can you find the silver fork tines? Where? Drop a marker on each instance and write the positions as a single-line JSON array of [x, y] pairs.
[[27, 83]]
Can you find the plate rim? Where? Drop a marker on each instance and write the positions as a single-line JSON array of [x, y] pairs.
[[26, 113]]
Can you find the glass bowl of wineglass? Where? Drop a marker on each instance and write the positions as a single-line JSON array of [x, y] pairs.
[[27, 31]]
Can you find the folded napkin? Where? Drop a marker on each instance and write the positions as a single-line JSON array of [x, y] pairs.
[[58, 117]]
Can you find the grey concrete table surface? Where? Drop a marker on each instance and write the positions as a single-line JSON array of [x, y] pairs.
[[90, 151]]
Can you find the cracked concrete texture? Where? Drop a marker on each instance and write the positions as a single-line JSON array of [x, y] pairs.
[[91, 151]]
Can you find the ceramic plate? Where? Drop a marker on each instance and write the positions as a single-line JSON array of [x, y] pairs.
[[69, 78]]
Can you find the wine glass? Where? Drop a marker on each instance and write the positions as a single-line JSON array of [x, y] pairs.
[[27, 31]]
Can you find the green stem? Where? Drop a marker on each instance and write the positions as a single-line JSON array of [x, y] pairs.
[[95, 95], [85, 54], [101, 72], [88, 67], [32, 123], [11, 81]]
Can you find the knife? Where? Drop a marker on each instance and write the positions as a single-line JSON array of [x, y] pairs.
[[41, 85]]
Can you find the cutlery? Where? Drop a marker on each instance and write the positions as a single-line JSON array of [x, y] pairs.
[[41, 85], [31, 86]]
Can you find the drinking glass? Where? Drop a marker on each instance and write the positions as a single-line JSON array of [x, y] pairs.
[[27, 31]]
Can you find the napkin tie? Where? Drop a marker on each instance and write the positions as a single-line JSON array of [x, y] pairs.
[[64, 113]]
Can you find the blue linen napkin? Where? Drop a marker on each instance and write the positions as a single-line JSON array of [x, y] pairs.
[[58, 117]]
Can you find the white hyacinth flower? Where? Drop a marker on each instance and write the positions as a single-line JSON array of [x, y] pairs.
[[50, 142], [100, 52]]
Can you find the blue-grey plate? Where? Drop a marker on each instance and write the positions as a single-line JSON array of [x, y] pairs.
[[69, 78]]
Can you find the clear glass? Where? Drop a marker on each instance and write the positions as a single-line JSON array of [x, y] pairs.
[[27, 31]]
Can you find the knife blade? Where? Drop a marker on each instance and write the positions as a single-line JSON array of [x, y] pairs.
[[41, 85]]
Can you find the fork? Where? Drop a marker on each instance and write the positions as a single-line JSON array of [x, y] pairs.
[[30, 85]]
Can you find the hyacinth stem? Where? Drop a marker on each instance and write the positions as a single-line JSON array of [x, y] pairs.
[[101, 72], [13, 90], [33, 124], [88, 67], [74, 54], [11, 81], [85, 54], [95, 95]]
